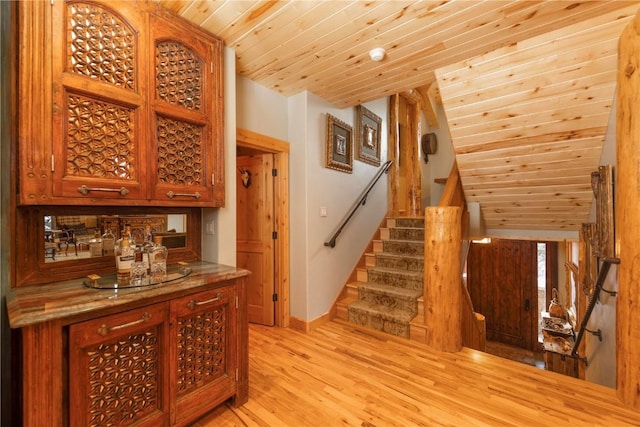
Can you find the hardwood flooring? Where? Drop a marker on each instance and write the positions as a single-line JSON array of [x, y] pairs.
[[341, 375], [516, 354]]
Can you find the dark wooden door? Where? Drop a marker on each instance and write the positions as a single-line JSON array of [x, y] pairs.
[[254, 238], [502, 280]]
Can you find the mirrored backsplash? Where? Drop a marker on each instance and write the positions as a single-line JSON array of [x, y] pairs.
[[73, 237]]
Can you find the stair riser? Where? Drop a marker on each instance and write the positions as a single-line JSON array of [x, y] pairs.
[[410, 222], [395, 279], [408, 264], [416, 234], [391, 301], [379, 323], [406, 248]]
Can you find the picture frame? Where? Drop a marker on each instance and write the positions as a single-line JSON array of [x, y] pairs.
[[368, 129], [339, 145]]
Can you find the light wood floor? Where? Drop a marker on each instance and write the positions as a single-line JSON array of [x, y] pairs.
[[339, 375]]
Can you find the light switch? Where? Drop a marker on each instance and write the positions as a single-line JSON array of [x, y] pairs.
[[323, 211], [209, 229]]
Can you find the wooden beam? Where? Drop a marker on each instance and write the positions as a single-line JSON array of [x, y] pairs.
[[394, 154], [429, 104], [628, 222]]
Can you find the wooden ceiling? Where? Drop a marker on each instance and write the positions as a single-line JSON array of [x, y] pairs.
[[528, 122], [527, 86]]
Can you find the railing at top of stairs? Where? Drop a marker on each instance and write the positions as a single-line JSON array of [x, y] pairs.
[[602, 275], [361, 201]]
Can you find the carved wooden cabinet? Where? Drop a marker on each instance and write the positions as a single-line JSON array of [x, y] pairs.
[[167, 361], [120, 104], [152, 356], [203, 369], [118, 369]]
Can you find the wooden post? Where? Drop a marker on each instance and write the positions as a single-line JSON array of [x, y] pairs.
[[394, 154], [412, 154], [627, 218], [442, 291]]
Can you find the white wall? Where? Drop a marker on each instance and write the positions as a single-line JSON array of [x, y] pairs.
[[329, 268], [261, 110], [317, 272], [602, 355], [220, 247], [298, 207], [440, 163]]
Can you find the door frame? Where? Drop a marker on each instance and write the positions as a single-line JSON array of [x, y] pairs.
[[280, 150]]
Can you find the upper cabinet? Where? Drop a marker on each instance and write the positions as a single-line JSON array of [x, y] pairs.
[[120, 104]]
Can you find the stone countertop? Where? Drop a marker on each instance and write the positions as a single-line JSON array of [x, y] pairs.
[[31, 305]]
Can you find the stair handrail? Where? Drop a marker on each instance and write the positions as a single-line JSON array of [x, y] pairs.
[[602, 275], [360, 202]]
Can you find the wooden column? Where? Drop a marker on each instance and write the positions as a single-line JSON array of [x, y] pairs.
[[412, 155], [628, 217], [394, 154], [442, 290]]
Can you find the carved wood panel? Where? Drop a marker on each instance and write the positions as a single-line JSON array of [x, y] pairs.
[[116, 368], [101, 46], [203, 348]]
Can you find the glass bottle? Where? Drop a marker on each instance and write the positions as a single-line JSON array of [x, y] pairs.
[[147, 246], [125, 232], [158, 260], [125, 255], [95, 245], [108, 243]]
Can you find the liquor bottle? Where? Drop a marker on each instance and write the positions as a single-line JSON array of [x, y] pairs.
[[147, 246], [125, 256], [125, 232], [95, 245], [108, 243], [158, 260]]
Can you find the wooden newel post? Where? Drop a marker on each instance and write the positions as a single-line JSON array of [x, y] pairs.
[[627, 217], [442, 291]]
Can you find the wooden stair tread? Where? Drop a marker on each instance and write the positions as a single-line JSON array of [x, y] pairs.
[[399, 272], [383, 311], [403, 292]]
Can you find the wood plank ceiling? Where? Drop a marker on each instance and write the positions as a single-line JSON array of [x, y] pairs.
[[527, 86], [528, 121]]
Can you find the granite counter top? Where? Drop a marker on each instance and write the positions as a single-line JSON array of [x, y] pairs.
[[36, 304]]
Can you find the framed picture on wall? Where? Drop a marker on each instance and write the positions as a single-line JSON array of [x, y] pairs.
[[339, 145], [368, 128]]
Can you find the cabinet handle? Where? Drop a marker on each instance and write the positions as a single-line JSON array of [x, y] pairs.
[[83, 189], [171, 194], [195, 303], [104, 329]]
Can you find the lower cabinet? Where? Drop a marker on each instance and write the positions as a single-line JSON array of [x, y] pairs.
[[118, 369], [203, 349], [164, 364]]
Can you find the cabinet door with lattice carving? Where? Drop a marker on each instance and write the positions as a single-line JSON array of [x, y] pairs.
[[99, 101], [117, 373], [185, 89], [204, 356]]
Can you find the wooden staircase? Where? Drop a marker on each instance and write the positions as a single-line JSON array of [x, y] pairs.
[[387, 293]]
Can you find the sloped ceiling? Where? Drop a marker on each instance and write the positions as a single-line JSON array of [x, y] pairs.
[[527, 123], [527, 86]]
